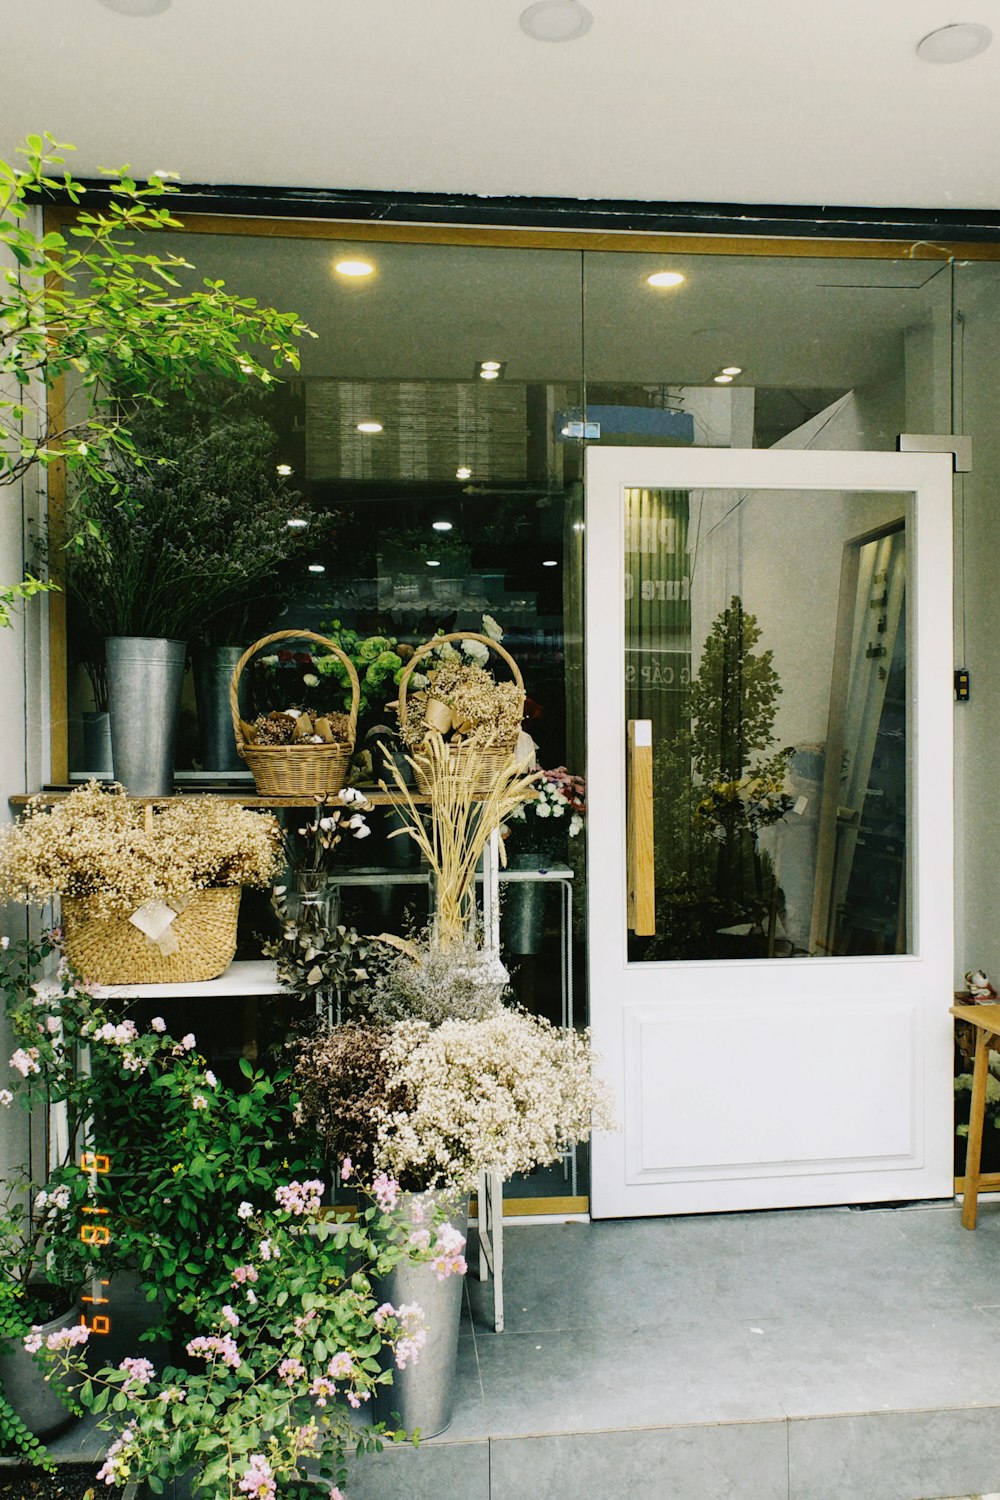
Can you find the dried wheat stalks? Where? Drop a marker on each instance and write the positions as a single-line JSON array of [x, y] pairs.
[[461, 822]]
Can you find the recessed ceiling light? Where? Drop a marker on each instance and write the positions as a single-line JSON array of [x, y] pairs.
[[432, 563], [317, 568], [463, 473], [550, 562], [369, 426], [441, 525], [556, 21], [665, 278], [489, 374], [136, 7], [723, 380], [297, 523], [957, 43], [490, 364], [353, 268], [732, 369], [284, 470], [489, 369]]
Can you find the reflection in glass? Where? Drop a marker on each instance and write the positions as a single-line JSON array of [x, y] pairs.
[[776, 697]]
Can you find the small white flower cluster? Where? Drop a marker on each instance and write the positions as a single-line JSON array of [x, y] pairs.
[[58, 1198], [503, 1094]]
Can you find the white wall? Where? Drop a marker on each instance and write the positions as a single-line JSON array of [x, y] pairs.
[[23, 697]]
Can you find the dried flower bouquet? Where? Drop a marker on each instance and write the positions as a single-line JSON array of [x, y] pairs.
[[97, 843], [437, 1105]]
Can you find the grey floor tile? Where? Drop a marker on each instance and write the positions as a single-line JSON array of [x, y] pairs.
[[729, 1462], [874, 1360], [895, 1455], [434, 1471], [578, 1381]]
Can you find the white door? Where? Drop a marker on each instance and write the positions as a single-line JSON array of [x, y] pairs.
[[769, 638]]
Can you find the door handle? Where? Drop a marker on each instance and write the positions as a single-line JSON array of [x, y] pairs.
[[639, 843]]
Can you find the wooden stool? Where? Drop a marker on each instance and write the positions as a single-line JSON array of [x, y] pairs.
[[986, 1020]]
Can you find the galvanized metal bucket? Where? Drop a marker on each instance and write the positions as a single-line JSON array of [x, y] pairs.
[[213, 670], [145, 675], [423, 1395]]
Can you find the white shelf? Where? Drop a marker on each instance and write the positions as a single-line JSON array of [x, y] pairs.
[[243, 979]]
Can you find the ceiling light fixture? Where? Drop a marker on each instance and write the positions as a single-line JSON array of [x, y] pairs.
[[550, 562], [955, 43], [665, 278], [556, 21], [732, 369], [284, 470], [369, 426], [297, 523], [354, 268], [317, 568], [432, 562], [463, 473], [137, 7], [489, 369], [441, 526], [723, 379]]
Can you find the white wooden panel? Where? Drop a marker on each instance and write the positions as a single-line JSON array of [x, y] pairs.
[[709, 1101]]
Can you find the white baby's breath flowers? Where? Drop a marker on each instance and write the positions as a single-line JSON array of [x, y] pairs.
[[502, 1094]]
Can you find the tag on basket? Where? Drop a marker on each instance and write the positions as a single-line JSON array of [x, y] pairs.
[[154, 918]]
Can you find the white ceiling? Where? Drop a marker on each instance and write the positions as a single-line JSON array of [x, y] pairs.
[[754, 101]]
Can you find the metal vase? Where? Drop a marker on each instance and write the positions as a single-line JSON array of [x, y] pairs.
[[145, 675], [25, 1387], [97, 743], [422, 1396], [524, 907], [213, 671]]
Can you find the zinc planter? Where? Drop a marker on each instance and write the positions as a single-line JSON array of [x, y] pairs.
[[25, 1387], [422, 1396], [524, 907], [213, 671], [145, 675]]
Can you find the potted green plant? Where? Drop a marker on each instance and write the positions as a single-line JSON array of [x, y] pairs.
[[149, 894], [194, 533], [95, 304]]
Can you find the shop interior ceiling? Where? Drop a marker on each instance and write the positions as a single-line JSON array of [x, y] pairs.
[[719, 101]]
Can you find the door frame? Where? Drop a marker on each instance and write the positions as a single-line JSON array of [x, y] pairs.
[[621, 992]]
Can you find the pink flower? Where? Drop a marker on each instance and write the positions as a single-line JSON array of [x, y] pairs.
[[199, 1101], [346, 1168], [245, 1211], [300, 1197], [230, 1316], [208, 1346], [139, 1371], [258, 1481], [158, 1024], [25, 1061], [243, 1274], [341, 1366], [188, 1042], [65, 1338], [386, 1191], [33, 1341], [290, 1370], [322, 1389]]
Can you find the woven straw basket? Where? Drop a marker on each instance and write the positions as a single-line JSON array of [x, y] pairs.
[[489, 760], [294, 770], [111, 950]]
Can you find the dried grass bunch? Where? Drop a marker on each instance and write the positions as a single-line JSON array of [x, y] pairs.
[[416, 980], [484, 712], [435, 1106], [456, 831], [98, 843]]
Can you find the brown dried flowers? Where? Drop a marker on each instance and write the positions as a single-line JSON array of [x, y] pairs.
[[483, 712], [98, 843]]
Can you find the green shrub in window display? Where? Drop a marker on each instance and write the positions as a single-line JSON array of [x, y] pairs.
[[93, 303]]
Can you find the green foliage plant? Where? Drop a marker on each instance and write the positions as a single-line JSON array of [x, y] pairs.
[[285, 1339], [377, 660], [195, 532], [96, 303], [739, 787]]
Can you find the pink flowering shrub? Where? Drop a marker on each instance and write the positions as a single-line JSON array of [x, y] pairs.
[[286, 1346]]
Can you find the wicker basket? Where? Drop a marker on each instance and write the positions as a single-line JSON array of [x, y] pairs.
[[112, 950], [490, 760], [294, 770]]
